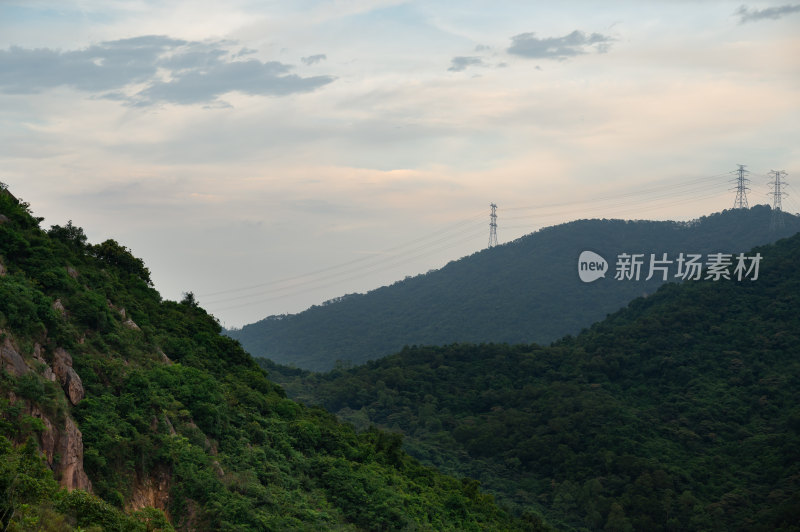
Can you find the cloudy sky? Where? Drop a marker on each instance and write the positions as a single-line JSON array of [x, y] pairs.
[[272, 155]]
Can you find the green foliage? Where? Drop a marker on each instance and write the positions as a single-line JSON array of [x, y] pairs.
[[523, 291], [69, 235], [676, 413], [172, 405], [90, 311], [23, 307], [120, 257]]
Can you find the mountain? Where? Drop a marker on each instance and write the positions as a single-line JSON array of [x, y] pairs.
[[524, 291], [678, 412], [123, 411]]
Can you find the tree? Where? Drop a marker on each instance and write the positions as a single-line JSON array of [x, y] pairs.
[[69, 234], [189, 299], [617, 522], [114, 254]]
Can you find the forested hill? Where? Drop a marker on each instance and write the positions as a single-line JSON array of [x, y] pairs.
[[120, 411], [524, 291], [679, 412]]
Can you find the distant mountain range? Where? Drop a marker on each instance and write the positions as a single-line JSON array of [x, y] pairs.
[[678, 412], [525, 291]]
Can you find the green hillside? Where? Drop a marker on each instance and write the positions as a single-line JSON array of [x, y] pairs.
[[524, 291], [679, 412], [122, 411]]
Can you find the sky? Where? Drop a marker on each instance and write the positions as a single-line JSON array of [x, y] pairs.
[[269, 156]]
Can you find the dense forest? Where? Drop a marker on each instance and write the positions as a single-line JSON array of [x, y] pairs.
[[123, 411], [676, 413], [524, 291]]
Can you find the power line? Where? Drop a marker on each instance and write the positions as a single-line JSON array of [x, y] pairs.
[[448, 228], [793, 205], [471, 237], [654, 189], [384, 262], [693, 192], [616, 209]]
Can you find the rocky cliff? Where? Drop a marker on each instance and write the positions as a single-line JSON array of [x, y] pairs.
[[60, 440]]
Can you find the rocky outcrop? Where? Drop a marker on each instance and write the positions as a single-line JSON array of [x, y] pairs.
[[58, 306], [169, 425], [72, 272], [69, 379], [130, 324], [70, 467], [49, 438], [3, 219], [151, 490], [154, 423], [63, 449], [2, 269], [164, 358], [10, 359], [119, 310], [47, 372], [218, 469]]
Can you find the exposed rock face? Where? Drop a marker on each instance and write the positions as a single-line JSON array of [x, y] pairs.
[[72, 272], [130, 324], [155, 422], [67, 443], [58, 306], [11, 360], [152, 490], [48, 439], [218, 469], [47, 373], [2, 269], [69, 379], [164, 358], [70, 446], [3, 219], [120, 310], [169, 425]]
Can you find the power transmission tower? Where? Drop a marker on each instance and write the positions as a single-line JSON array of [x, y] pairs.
[[493, 226], [741, 189], [776, 221]]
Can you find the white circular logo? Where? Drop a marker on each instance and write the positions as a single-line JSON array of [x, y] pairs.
[[591, 266]]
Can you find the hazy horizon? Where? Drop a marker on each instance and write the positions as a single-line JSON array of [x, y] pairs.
[[240, 145]]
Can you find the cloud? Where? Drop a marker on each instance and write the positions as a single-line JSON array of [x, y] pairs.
[[150, 69], [747, 15], [313, 59], [102, 67], [250, 77], [459, 64], [560, 48]]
